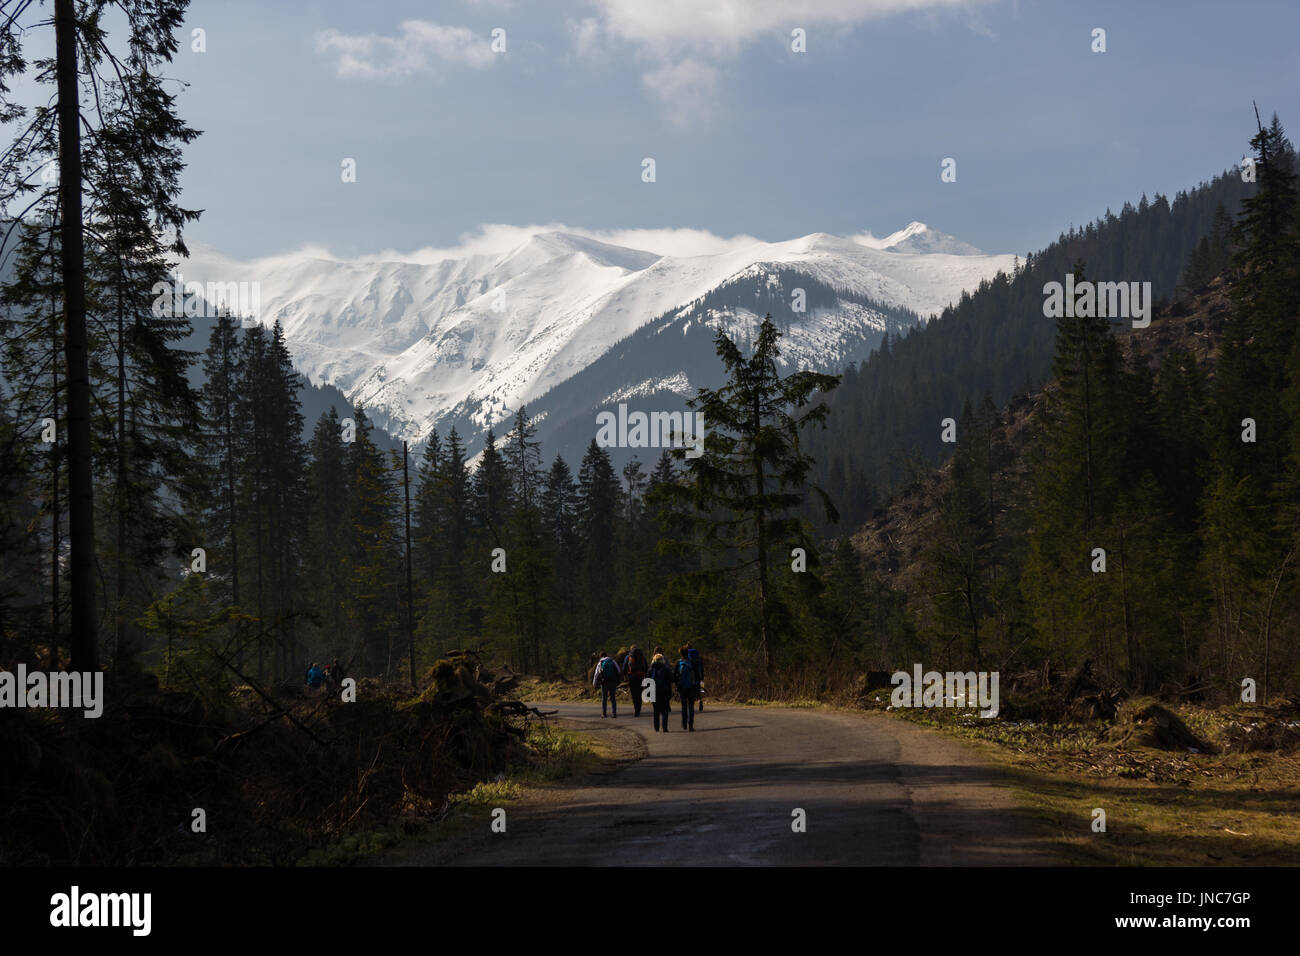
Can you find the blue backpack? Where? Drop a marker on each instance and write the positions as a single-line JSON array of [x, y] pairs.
[[609, 670], [685, 676]]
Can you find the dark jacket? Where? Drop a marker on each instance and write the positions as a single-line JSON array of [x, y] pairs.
[[634, 669], [697, 661], [662, 675]]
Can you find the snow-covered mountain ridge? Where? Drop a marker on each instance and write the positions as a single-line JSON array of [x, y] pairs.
[[468, 334]]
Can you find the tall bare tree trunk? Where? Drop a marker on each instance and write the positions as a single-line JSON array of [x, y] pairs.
[[55, 529], [761, 519], [410, 607], [83, 640], [119, 609]]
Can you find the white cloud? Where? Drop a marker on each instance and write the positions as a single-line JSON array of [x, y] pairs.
[[724, 27], [419, 47], [492, 239], [500, 239], [683, 38], [670, 242], [686, 91], [586, 35]]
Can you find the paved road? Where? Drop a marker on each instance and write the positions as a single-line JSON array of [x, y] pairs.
[[875, 790]]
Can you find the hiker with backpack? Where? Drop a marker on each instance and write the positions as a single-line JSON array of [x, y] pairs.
[[688, 687], [697, 664], [607, 677], [635, 668], [315, 676], [662, 675]]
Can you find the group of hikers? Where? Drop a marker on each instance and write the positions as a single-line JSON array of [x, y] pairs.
[[687, 676], [331, 675]]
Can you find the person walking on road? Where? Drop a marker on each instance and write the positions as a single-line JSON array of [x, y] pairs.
[[688, 687], [697, 663], [607, 677], [662, 675], [635, 668]]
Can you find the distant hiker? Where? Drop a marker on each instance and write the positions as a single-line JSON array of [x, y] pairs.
[[662, 675], [634, 669], [607, 677], [335, 674], [697, 664], [688, 687], [315, 676]]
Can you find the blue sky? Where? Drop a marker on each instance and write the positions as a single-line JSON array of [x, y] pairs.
[[748, 137]]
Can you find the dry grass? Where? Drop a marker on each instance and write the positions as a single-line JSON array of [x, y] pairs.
[[1235, 807]]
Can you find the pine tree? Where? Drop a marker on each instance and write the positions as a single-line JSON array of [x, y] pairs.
[[327, 553], [34, 368], [529, 570], [429, 517], [222, 375], [959, 557], [126, 164], [1258, 340], [284, 469], [491, 490], [374, 559], [559, 519], [752, 473], [456, 617], [254, 453], [1077, 470], [147, 460], [597, 530]]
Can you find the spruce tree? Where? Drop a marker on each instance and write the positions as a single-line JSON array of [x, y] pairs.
[[220, 401], [598, 492], [753, 473], [374, 588], [118, 162]]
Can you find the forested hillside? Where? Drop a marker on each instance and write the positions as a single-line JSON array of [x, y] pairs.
[[1140, 512], [886, 415]]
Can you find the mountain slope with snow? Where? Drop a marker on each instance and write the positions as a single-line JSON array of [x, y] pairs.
[[470, 334]]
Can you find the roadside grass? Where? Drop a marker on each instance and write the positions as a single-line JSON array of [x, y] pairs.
[[560, 754], [1239, 811], [1162, 807], [796, 704], [576, 691], [554, 755], [535, 688]]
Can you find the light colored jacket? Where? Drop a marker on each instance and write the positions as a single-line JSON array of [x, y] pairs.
[[597, 678]]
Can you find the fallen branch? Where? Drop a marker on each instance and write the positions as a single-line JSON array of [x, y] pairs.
[[270, 700]]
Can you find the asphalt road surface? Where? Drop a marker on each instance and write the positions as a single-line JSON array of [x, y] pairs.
[[875, 790]]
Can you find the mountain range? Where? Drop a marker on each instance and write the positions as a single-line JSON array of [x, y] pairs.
[[568, 323]]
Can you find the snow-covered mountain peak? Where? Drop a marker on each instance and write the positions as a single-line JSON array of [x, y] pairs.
[[918, 238], [470, 333], [544, 247]]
